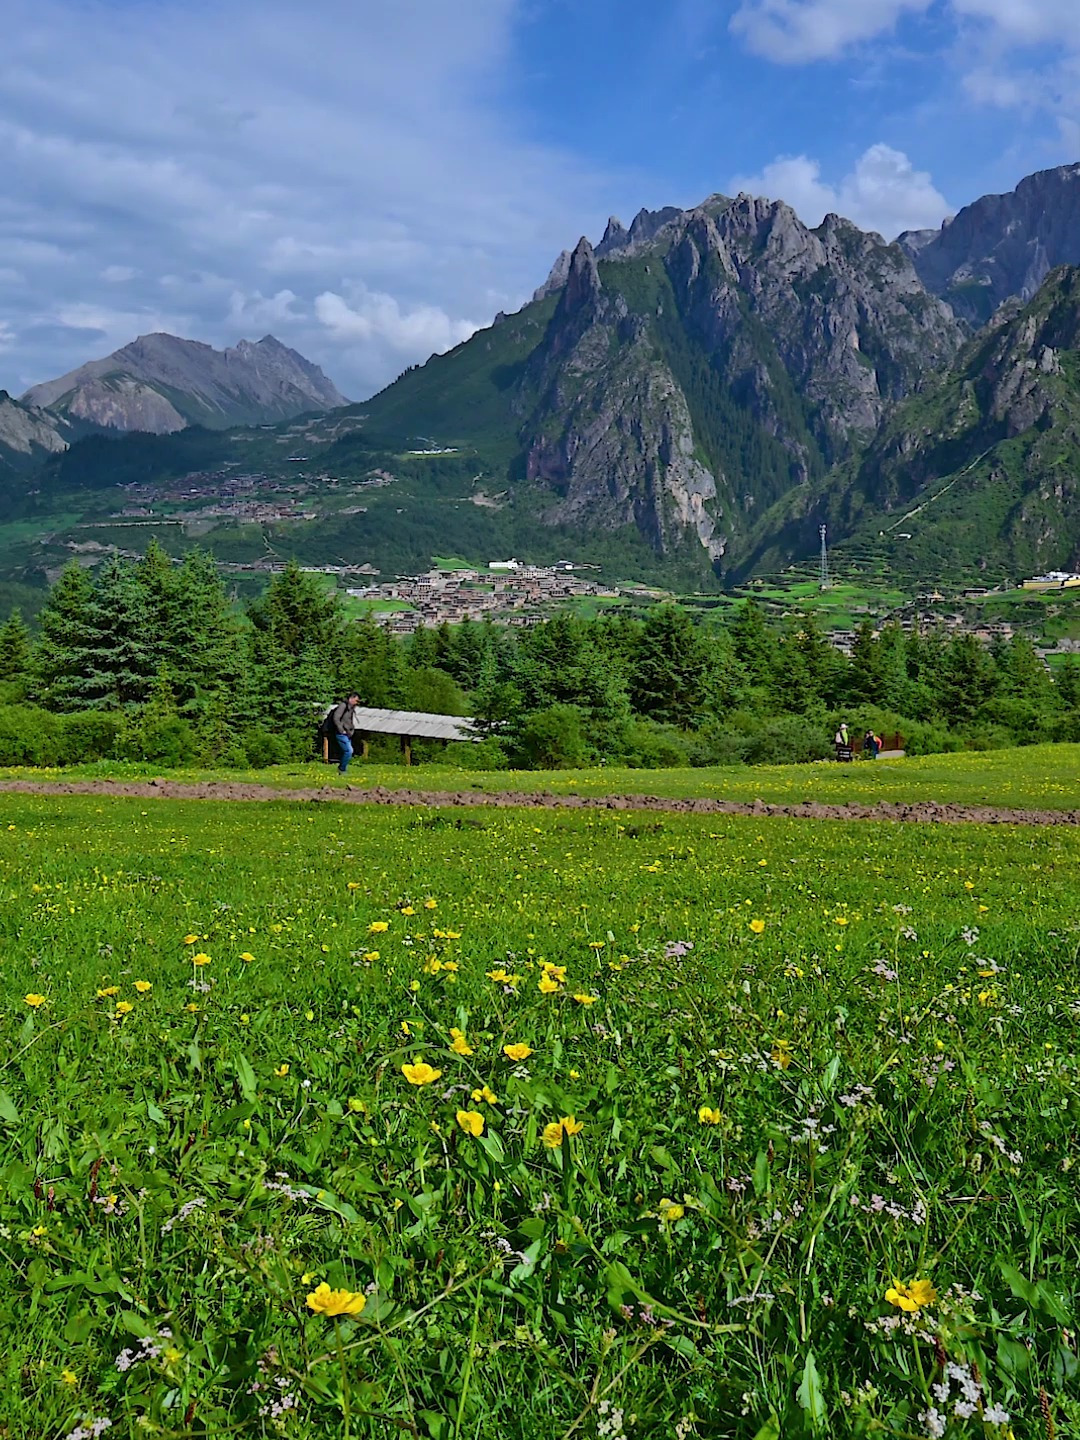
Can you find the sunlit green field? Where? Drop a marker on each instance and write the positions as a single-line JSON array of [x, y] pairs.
[[787, 1148], [1037, 776]]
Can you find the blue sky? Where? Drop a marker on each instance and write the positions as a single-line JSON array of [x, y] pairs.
[[371, 182]]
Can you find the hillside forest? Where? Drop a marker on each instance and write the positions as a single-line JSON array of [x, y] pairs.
[[150, 661]]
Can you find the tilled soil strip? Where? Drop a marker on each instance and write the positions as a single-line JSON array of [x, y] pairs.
[[920, 812]]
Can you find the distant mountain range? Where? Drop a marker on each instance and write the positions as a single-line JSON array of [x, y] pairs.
[[160, 384], [711, 384]]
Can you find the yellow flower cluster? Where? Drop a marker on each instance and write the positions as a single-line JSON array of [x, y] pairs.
[[553, 1133], [324, 1301], [911, 1296]]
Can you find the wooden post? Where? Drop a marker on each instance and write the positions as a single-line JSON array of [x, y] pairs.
[[365, 748], [406, 749], [326, 749]]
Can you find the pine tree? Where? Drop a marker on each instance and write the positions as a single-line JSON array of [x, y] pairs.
[[117, 650], [16, 652], [669, 669], [60, 654], [755, 645], [1067, 683]]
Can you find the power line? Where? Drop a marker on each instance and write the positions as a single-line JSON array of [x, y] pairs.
[[825, 583]]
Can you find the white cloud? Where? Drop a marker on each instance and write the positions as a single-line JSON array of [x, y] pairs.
[[228, 186], [368, 315], [1026, 22], [795, 31], [7, 337], [883, 192], [115, 327], [263, 312]]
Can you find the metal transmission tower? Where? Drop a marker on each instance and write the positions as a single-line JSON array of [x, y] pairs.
[[825, 583]]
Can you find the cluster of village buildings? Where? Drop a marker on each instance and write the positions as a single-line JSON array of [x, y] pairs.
[[508, 591]]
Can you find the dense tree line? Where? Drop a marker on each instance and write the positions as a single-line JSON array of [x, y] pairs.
[[151, 661]]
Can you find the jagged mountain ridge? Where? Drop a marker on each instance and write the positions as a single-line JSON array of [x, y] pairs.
[[161, 383], [705, 363], [29, 435], [1002, 246], [981, 471]]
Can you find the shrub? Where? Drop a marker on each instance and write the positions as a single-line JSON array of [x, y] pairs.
[[29, 736], [479, 755], [93, 735], [553, 739], [167, 741]]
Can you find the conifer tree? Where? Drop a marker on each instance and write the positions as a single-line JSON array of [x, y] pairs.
[[16, 652], [59, 657]]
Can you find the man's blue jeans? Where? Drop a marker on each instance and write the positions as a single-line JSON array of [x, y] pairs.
[[345, 746]]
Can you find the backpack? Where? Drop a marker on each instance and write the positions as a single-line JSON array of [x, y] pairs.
[[327, 728]]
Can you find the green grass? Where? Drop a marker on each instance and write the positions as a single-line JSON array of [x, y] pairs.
[[881, 1021], [1045, 777]]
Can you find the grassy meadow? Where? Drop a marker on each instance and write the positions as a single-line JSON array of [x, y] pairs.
[[1044, 777], [319, 1120]]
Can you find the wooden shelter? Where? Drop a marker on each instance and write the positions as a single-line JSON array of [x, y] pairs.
[[410, 725]]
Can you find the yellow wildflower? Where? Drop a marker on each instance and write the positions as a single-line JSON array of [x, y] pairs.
[[378, 927], [553, 1133], [192, 1009], [420, 1074], [485, 1093], [585, 999], [281, 1071], [324, 1301], [407, 910], [69, 1377], [708, 1116], [557, 972], [517, 1052], [34, 1000], [781, 1055], [191, 939], [200, 959], [459, 1044], [108, 992], [143, 987], [757, 926], [472, 1122], [124, 1007], [911, 1296], [670, 1211], [547, 986], [247, 957], [430, 904]]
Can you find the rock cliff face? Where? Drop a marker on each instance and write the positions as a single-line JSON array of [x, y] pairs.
[[1003, 245], [715, 359], [611, 436], [28, 435], [980, 470], [160, 383]]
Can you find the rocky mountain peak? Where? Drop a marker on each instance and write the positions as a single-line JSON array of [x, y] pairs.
[[616, 237], [1002, 245], [160, 383], [556, 279], [583, 287]]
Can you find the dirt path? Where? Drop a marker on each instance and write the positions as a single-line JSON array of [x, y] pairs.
[[918, 812]]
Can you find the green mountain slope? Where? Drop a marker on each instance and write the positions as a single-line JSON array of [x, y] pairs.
[[979, 475]]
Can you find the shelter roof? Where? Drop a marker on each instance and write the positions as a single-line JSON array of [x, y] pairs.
[[414, 724]]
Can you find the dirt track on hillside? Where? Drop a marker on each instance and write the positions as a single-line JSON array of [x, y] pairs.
[[922, 812]]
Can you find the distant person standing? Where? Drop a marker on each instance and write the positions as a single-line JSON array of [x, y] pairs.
[[342, 724], [842, 743], [871, 745]]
